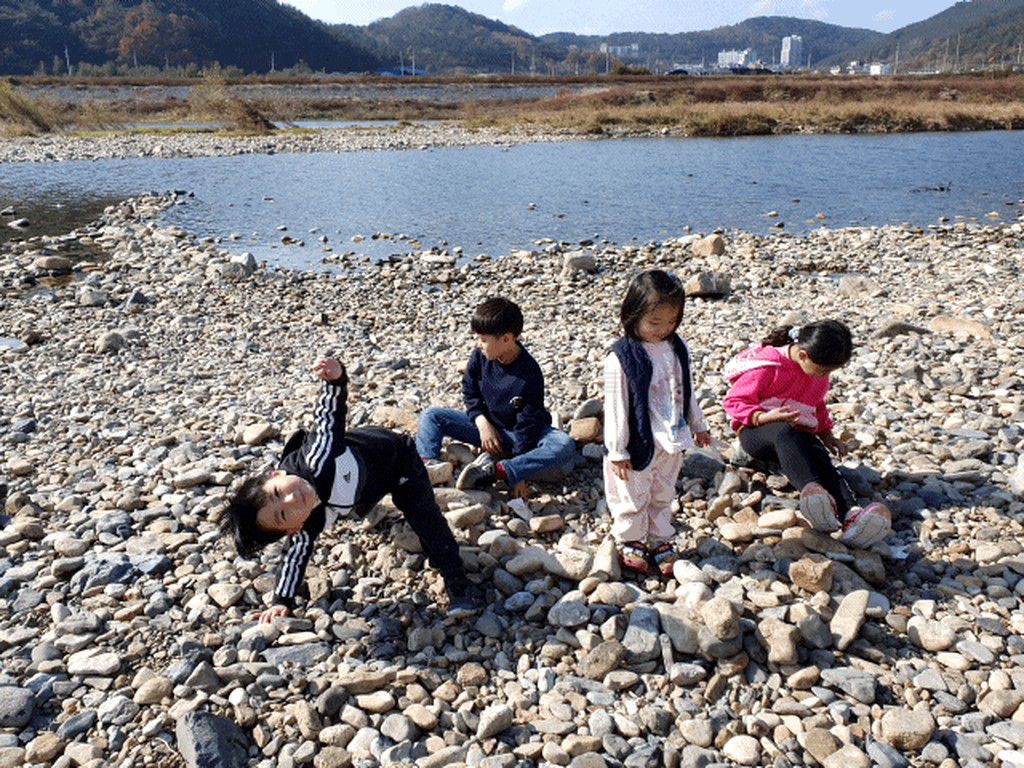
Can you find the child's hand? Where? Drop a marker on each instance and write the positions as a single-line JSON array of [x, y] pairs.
[[834, 444], [268, 616], [702, 439], [329, 369], [785, 414], [490, 438], [621, 469]]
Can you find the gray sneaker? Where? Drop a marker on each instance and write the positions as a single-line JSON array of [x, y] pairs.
[[481, 473]]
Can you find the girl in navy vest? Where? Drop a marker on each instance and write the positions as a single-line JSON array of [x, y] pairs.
[[651, 417]]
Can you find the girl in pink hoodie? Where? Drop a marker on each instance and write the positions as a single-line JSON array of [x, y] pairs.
[[777, 405]]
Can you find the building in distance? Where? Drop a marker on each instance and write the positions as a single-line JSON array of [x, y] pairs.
[[745, 58], [623, 52], [792, 52]]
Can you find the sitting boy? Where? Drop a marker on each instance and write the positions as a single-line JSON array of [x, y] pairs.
[[334, 472], [503, 390]]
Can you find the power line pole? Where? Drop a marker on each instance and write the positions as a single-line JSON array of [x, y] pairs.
[[945, 56], [67, 59], [896, 66], [513, 62], [956, 66]]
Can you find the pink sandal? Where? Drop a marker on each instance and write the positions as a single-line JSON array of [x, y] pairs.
[[634, 557], [665, 557]]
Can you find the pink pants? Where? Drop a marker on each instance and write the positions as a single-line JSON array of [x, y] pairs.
[[641, 507]]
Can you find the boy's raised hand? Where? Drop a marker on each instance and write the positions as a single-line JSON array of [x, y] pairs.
[[702, 439], [268, 616], [329, 369]]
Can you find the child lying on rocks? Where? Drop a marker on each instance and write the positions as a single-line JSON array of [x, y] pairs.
[[330, 472]]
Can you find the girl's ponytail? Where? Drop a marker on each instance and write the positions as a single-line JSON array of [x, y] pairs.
[[777, 337], [828, 343]]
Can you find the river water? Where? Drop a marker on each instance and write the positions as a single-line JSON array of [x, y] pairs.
[[494, 200]]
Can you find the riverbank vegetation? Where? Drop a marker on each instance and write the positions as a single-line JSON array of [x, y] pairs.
[[757, 106], [696, 106]]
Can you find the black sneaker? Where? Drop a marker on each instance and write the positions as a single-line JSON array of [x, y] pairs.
[[465, 599], [481, 473]]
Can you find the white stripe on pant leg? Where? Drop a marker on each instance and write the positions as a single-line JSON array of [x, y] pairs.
[[664, 471], [627, 502]]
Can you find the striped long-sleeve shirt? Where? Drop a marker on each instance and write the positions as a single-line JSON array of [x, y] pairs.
[[326, 460]]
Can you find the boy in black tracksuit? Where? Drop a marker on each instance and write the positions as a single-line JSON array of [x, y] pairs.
[[333, 472]]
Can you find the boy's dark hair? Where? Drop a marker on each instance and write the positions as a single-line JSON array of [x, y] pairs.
[[496, 317], [828, 343], [239, 521], [645, 292]]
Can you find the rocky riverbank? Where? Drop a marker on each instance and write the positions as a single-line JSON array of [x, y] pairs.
[[145, 372], [57, 147]]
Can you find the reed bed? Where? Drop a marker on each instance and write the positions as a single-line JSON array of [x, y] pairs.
[[23, 115], [695, 106], [760, 107]]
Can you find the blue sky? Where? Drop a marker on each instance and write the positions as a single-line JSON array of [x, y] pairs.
[[604, 16]]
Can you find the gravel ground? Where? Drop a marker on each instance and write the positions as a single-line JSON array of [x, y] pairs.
[[146, 372]]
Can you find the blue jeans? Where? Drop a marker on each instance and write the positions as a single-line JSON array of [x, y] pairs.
[[554, 449]]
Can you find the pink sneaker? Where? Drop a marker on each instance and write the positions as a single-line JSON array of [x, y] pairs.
[[818, 508], [866, 526]]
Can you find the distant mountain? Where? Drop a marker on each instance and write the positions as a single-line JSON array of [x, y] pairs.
[[763, 34], [44, 35], [989, 31], [241, 33], [446, 38]]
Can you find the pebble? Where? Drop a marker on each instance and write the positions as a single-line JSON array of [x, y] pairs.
[[907, 730], [127, 614]]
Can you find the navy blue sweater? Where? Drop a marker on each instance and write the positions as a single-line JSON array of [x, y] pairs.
[[510, 396]]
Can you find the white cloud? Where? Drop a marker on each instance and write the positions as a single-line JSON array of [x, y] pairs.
[[511, 6], [886, 15], [763, 8]]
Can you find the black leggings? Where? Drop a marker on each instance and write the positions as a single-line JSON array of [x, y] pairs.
[[393, 465], [803, 458]]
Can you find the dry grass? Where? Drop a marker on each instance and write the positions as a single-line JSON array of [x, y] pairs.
[[212, 101], [23, 115], [696, 106], [757, 106]]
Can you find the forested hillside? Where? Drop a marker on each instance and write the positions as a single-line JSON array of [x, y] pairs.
[[987, 32], [249, 34], [448, 38]]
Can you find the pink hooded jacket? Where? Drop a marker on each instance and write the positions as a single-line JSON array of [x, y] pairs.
[[764, 378]]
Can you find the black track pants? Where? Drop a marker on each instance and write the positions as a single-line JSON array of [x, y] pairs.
[[803, 458]]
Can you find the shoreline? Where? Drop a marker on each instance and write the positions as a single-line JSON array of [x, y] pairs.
[[127, 416], [186, 145], [440, 134]]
